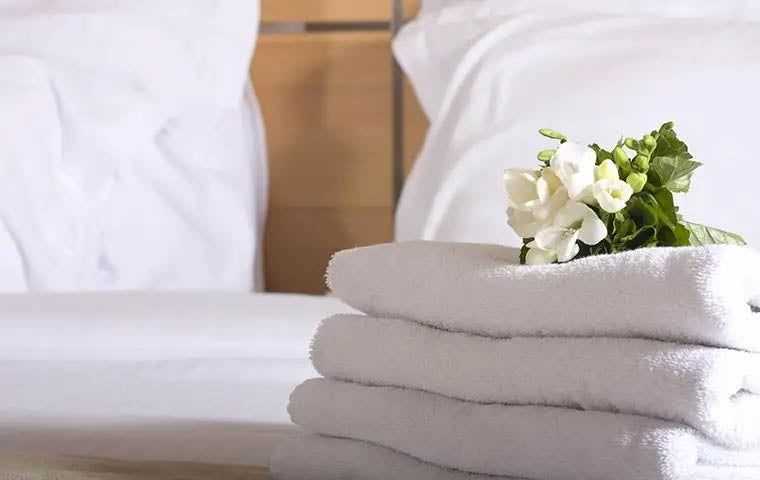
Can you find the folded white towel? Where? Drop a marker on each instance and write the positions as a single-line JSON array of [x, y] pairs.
[[691, 295], [315, 457], [525, 441], [714, 390]]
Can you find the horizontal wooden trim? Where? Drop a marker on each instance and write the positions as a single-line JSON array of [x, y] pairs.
[[330, 10]]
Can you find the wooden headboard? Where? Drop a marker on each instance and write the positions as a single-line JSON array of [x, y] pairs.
[[325, 88]]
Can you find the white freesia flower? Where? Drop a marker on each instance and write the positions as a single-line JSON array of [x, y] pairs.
[[575, 221], [522, 188], [552, 194], [539, 256], [534, 198], [574, 165], [612, 195]]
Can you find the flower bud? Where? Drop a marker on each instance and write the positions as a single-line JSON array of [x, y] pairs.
[[553, 134], [637, 181], [546, 155], [606, 171], [641, 163], [631, 143], [622, 161], [650, 143]]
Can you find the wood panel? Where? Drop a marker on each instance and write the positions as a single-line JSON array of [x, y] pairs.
[[326, 103], [301, 240], [75, 468], [330, 10], [326, 100]]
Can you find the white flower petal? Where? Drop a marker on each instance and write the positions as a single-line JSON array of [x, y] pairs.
[[522, 192], [547, 211], [537, 256], [574, 165], [568, 248], [612, 195], [551, 179], [543, 190], [549, 238], [593, 229], [523, 223], [607, 170], [572, 215]]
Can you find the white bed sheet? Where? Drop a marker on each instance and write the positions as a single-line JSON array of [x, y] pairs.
[[199, 377]]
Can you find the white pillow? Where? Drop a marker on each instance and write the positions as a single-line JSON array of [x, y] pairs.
[[128, 149], [491, 73]]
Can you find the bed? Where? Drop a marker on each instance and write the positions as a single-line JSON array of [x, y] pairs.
[[194, 385], [145, 379]]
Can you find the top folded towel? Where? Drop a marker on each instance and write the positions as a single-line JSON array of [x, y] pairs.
[[706, 295]]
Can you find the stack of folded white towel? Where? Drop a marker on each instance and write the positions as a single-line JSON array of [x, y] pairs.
[[636, 366]]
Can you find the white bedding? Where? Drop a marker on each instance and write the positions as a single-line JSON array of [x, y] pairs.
[[166, 377], [128, 157], [490, 73]]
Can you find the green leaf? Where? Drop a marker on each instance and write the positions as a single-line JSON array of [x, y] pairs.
[[673, 173], [668, 143], [702, 235], [643, 211], [644, 237], [676, 236], [666, 207], [553, 134]]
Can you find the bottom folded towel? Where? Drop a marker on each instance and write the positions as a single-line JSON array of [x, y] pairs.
[[523, 441], [314, 457]]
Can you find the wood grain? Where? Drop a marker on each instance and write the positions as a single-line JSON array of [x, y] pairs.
[[326, 101], [331, 10], [75, 468], [301, 240]]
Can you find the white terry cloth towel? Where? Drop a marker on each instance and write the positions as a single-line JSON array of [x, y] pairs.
[[690, 295], [316, 457], [535, 442], [714, 390]]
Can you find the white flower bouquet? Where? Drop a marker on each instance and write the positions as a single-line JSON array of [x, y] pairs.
[[585, 200]]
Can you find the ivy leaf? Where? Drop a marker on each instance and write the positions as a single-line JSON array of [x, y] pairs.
[[644, 237], [668, 143], [666, 207], [676, 236], [702, 235], [642, 210], [673, 173]]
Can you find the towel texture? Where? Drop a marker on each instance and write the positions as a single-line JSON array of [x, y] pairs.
[[523, 441], [689, 295], [315, 457], [714, 390]]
